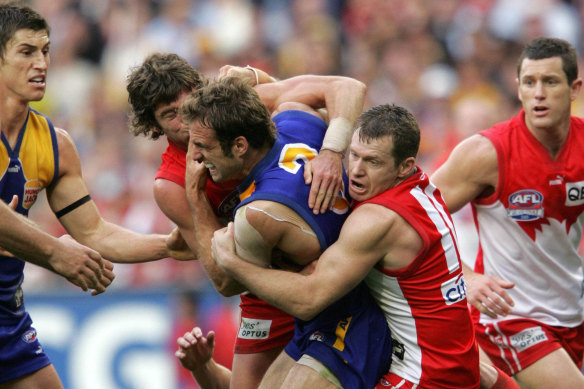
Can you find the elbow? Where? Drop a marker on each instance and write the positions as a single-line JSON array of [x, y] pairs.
[[228, 288]]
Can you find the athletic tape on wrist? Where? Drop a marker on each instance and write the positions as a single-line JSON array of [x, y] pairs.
[[338, 135]]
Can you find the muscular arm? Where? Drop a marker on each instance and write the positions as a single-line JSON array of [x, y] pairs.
[[343, 99], [78, 264], [85, 223], [471, 172], [340, 268], [204, 223]]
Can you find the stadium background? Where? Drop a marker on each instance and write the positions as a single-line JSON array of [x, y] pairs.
[[451, 62]]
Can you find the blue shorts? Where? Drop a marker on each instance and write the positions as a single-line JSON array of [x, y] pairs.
[[20, 351], [350, 337]]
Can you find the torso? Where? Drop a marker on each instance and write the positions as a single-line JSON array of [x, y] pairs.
[[531, 227]]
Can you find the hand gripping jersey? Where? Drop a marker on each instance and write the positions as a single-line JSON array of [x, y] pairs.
[[425, 303], [273, 328], [25, 170], [530, 228], [351, 336]]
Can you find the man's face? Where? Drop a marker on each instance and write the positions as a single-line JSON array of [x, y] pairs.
[[545, 93], [23, 71], [206, 149], [168, 118], [372, 168]]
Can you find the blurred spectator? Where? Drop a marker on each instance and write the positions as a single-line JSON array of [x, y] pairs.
[[451, 62]]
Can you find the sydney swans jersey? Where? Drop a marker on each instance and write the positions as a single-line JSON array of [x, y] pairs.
[[223, 197], [279, 175], [425, 303], [25, 170], [530, 228]]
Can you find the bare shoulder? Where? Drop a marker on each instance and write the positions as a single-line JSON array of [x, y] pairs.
[[171, 199], [68, 156]]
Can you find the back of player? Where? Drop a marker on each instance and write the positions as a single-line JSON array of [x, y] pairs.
[[425, 303], [351, 337]]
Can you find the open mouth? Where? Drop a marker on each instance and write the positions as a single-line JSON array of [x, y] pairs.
[[38, 80]]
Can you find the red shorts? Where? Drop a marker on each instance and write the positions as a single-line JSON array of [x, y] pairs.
[[515, 344], [262, 327]]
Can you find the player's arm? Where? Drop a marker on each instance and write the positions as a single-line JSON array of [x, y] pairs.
[[69, 198], [343, 98], [195, 353], [470, 172], [340, 268], [80, 265], [204, 223]]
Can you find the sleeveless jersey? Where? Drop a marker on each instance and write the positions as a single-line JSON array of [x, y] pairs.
[[223, 198], [530, 228], [279, 176], [425, 303], [25, 170]]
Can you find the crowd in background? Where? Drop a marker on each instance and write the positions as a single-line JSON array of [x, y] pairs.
[[451, 62]]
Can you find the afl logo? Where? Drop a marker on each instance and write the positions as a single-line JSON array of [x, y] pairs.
[[525, 205], [29, 336]]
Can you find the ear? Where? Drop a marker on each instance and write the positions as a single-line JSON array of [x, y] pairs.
[[518, 93], [240, 146], [576, 87], [406, 167]]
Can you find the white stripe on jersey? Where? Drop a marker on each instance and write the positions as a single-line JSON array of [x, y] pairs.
[[442, 223], [388, 294]]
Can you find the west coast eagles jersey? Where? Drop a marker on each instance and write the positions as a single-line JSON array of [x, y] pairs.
[[279, 175], [25, 169]]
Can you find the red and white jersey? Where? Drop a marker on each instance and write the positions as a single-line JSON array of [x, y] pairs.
[[531, 227], [425, 303]]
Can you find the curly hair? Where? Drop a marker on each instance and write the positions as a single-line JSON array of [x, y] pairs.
[[159, 80]]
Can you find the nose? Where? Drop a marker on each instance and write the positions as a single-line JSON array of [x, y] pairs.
[[355, 167], [539, 90], [41, 61]]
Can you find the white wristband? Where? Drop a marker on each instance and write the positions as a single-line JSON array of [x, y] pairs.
[[338, 135], [257, 78]]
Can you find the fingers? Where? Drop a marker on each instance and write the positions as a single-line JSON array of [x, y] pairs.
[[14, 202]]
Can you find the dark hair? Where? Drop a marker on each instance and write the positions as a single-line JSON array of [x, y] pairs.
[[14, 17], [231, 108], [159, 80], [394, 121], [541, 48]]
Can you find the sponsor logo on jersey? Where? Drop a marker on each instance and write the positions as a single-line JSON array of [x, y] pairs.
[[228, 204], [525, 205], [29, 336], [398, 349], [454, 290], [31, 191], [14, 169], [574, 193], [527, 338], [254, 328], [316, 336]]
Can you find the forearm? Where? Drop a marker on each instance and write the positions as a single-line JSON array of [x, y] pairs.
[[212, 376], [24, 239], [121, 245], [205, 224], [291, 292]]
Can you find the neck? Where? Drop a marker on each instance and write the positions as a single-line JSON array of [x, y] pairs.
[[252, 158], [12, 115], [552, 139]]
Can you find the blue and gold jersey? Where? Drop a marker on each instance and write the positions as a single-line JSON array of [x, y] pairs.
[[25, 170], [279, 176]]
